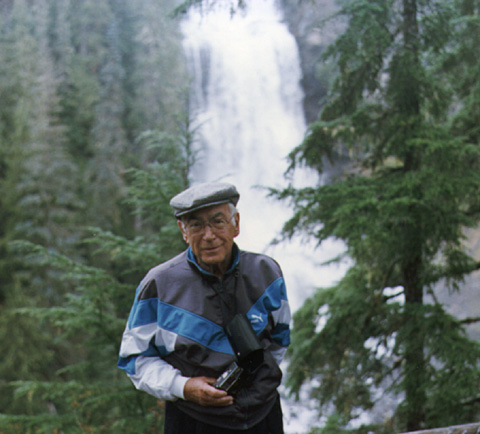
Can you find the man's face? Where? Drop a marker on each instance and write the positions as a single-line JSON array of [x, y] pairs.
[[212, 243]]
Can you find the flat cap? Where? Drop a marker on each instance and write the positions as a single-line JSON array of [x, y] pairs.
[[203, 195]]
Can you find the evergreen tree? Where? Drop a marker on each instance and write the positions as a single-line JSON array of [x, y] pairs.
[[410, 127], [105, 184], [159, 73], [69, 82], [34, 207], [85, 391]]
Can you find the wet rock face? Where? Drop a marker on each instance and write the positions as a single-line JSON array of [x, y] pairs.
[[314, 87], [303, 20]]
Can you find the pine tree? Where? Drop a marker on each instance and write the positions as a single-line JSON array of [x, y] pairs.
[[38, 191], [67, 75], [85, 391], [105, 169], [411, 189], [159, 74]]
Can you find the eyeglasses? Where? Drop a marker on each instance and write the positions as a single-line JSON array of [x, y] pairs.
[[216, 223]]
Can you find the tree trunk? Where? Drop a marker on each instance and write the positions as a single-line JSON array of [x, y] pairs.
[[415, 396], [409, 106]]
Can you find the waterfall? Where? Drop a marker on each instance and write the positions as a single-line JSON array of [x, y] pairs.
[[247, 101]]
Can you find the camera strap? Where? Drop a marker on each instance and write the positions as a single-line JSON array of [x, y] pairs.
[[246, 346], [228, 311]]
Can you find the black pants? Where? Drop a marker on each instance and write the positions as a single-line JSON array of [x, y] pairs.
[[177, 422]]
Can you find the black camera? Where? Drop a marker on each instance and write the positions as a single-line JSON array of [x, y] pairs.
[[248, 352], [230, 379]]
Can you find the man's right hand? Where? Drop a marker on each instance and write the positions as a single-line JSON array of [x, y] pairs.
[[201, 391]]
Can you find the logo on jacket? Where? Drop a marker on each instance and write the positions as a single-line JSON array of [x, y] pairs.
[[255, 319]]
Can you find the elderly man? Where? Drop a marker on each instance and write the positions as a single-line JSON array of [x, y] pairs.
[[208, 328]]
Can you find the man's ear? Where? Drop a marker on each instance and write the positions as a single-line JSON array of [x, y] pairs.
[[180, 225], [237, 224]]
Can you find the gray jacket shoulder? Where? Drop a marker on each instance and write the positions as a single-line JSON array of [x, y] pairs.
[[260, 263], [159, 272]]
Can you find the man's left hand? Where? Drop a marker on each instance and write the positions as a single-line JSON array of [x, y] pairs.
[[201, 390]]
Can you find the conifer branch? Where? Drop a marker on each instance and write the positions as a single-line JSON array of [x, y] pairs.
[[471, 401], [470, 320], [389, 297]]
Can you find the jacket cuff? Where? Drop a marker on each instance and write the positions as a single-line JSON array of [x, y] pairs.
[[178, 385]]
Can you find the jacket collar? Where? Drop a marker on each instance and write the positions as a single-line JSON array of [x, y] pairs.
[[235, 261]]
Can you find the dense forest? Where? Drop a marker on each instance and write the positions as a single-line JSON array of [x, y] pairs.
[[96, 135], [94, 139]]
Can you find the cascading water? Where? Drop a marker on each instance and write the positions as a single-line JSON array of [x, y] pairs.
[[247, 100]]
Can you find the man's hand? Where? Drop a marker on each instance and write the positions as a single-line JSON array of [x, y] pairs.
[[201, 391]]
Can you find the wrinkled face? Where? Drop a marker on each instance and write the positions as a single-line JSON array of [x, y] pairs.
[[210, 233]]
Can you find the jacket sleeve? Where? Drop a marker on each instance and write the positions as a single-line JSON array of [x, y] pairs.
[[143, 345], [281, 331], [158, 378], [273, 304]]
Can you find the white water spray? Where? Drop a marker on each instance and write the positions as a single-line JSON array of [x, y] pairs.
[[247, 100]]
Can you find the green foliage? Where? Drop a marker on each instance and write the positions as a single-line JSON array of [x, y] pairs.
[[78, 407], [389, 202], [80, 223], [346, 328], [83, 389], [79, 97], [351, 339], [409, 127]]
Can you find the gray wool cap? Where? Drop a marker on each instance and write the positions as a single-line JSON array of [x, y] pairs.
[[203, 195]]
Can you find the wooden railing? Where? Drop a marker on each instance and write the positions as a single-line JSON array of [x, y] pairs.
[[472, 428]]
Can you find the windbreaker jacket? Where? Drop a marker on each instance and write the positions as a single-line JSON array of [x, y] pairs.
[[175, 331]]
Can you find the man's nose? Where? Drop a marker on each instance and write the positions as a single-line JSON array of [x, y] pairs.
[[209, 232]]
